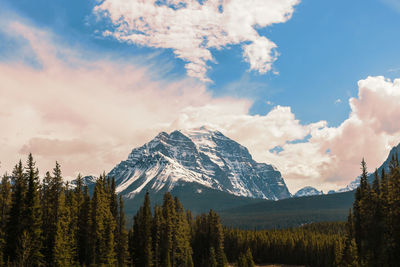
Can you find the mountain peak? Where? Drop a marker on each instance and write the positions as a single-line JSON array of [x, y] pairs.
[[308, 191], [202, 156]]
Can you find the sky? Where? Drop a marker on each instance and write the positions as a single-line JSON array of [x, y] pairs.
[[309, 86]]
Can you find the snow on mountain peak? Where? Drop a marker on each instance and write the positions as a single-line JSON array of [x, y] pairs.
[[201, 156], [308, 191]]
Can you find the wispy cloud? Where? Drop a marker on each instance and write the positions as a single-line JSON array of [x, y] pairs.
[[191, 28], [89, 115], [395, 4]]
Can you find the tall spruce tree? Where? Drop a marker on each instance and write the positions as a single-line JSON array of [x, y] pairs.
[[122, 236], [182, 251], [349, 254], [103, 225], [142, 239], [32, 221], [158, 222], [64, 245], [5, 203], [15, 228], [394, 211]]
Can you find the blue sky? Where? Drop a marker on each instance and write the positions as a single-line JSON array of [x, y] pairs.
[[325, 48], [281, 88]]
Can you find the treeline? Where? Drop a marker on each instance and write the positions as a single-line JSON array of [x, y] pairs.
[[46, 222], [373, 228], [318, 244], [170, 236], [50, 223]]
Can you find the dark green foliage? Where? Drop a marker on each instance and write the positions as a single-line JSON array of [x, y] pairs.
[[32, 216], [102, 225], [376, 219], [121, 239], [5, 203], [14, 227], [291, 212], [51, 224], [308, 246], [245, 259]]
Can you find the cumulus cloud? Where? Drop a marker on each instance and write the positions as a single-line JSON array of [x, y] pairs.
[[191, 28], [89, 115]]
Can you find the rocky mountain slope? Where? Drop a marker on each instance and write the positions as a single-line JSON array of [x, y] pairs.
[[308, 191], [197, 158]]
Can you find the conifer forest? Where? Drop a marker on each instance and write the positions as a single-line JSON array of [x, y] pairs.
[[47, 222]]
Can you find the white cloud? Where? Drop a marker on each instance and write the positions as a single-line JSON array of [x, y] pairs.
[[191, 29], [89, 115], [338, 101]]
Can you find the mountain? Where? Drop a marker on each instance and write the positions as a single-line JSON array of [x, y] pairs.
[[308, 191], [354, 184], [199, 159]]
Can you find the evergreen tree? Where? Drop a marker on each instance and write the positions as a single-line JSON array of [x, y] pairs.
[[246, 259], [157, 225], [122, 236], [81, 218], [212, 260], [5, 203], [14, 226], [394, 211], [363, 217], [47, 217], [349, 255], [32, 222], [182, 251], [103, 225], [64, 245], [143, 254]]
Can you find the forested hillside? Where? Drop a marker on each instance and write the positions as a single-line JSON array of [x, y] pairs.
[[50, 223], [373, 228]]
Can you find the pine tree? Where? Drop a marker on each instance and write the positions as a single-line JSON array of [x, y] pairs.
[[363, 216], [47, 217], [5, 203], [64, 241], [393, 243], [14, 226], [33, 214], [349, 255], [246, 259], [82, 210], [217, 234], [212, 259], [103, 225], [169, 217], [182, 250], [143, 254], [157, 225], [122, 236]]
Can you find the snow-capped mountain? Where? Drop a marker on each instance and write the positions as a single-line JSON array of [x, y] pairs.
[[308, 191], [198, 156], [354, 184]]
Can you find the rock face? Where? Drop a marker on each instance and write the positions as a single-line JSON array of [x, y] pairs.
[[308, 191], [199, 156]]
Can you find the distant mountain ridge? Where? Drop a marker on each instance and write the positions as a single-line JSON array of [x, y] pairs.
[[308, 191], [200, 157]]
